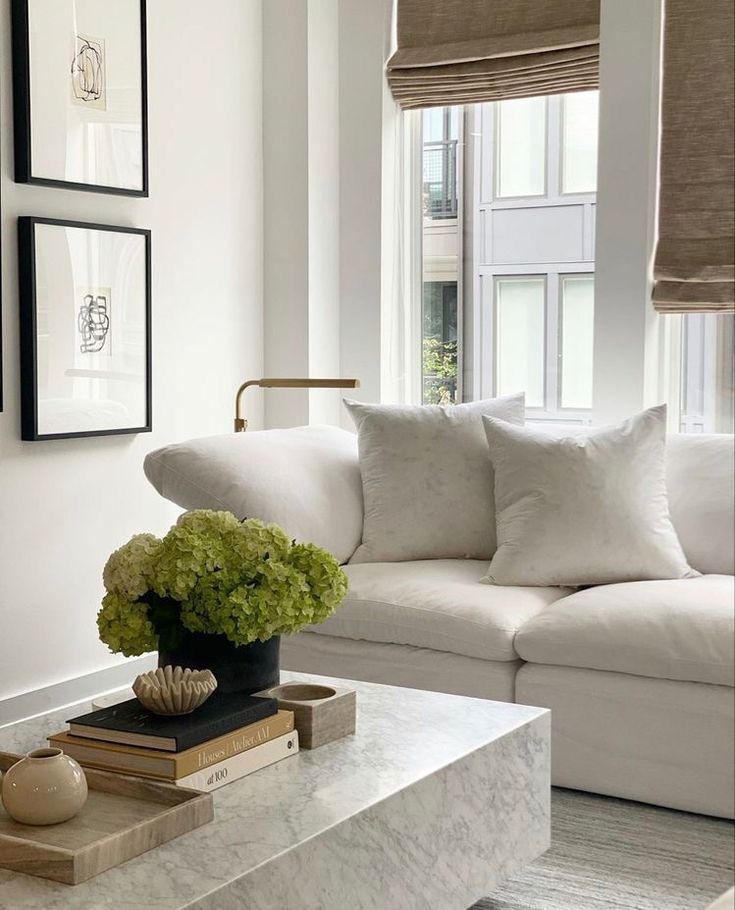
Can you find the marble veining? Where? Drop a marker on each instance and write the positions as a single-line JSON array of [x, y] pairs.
[[436, 798]]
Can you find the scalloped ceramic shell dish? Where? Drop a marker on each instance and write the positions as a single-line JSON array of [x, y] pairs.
[[173, 690]]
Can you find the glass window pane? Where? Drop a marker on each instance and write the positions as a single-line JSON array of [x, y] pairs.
[[519, 339], [577, 318], [439, 361], [433, 119], [579, 142], [707, 373], [454, 123], [521, 147]]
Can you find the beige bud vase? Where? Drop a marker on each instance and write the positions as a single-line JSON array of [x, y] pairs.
[[44, 788]]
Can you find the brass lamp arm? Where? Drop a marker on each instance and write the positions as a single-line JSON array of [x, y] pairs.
[[276, 383]]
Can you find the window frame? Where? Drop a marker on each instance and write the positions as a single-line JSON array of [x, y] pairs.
[[495, 183], [486, 316]]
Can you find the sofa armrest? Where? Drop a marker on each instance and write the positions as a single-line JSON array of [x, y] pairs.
[[306, 479]]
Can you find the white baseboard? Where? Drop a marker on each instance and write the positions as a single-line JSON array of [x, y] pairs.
[[49, 698]]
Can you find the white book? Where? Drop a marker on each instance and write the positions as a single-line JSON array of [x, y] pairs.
[[241, 765]]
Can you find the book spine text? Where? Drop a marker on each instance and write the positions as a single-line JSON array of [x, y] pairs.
[[238, 766]]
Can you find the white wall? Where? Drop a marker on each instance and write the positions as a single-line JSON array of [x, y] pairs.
[[286, 212], [302, 212], [324, 211], [64, 505], [363, 28], [323, 108]]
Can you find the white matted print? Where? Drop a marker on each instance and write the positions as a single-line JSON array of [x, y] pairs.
[[87, 72], [85, 295], [80, 94]]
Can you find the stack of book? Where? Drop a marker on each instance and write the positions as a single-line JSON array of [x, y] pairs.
[[228, 737]]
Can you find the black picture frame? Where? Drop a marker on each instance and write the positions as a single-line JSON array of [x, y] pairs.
[[22, 108], [29, 328]]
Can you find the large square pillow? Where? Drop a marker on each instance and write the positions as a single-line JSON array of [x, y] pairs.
[[585, 509], [427, 481]]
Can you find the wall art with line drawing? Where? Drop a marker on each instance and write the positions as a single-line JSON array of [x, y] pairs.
[[79, 94], [87, 73], [85, 309]]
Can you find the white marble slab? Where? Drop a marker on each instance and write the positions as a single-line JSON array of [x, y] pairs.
[[434, 801]]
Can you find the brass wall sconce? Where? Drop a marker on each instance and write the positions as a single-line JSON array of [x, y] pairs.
[[241, 424]]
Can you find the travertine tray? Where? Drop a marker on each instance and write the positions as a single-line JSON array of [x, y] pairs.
[[122, 818]]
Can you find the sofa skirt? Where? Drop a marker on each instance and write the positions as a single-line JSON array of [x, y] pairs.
[[399, 665], [659, 741]]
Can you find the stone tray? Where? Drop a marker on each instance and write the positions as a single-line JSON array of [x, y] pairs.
[[122, 818]]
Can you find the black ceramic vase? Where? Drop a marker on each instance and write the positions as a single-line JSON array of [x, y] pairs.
[[238, 668]]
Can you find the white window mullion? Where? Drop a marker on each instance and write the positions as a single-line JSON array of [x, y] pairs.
[[553, 144], [553, 342]]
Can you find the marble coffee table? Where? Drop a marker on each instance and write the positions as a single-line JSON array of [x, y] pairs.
[[433, 802]]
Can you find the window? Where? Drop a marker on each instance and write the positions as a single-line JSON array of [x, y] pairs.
[[698, 359], [530, 209], [440, 129], [440, 381], [577, 325], [520, 349], [520, 198], [439, 362], [533, 215], [579, 142], [521, 147]]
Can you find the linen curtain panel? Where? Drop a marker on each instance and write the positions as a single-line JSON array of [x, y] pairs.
[[468, 51], [694, 266]]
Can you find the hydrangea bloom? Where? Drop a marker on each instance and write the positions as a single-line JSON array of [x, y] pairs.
[[245, 580], [128, 570], [124, 626]]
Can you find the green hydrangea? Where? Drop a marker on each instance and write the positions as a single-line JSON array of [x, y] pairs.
[[245, 580], [124, 626], [196, 546], [129, 570]]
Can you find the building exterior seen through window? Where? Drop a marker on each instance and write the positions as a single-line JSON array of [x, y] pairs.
[[524, 204], [440, 129]]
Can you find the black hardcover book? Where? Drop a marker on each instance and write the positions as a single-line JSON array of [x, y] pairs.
[[130, 724]]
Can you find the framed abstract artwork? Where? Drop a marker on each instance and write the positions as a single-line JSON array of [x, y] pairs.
[[85, 329], [80, 95]]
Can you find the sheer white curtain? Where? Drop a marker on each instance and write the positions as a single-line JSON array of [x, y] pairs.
[[401, 277]]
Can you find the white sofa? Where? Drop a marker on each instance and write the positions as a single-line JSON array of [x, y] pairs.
[[639, 677]]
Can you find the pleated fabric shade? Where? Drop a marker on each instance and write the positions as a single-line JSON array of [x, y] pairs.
[[694, 265], [468, 51]]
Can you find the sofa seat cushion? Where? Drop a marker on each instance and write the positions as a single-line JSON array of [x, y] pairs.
[[677, 629], [438, 604]]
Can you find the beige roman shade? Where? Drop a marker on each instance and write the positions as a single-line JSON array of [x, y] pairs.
[[694, 267], [466, 51]]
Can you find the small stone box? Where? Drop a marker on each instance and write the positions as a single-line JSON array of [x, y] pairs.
[[321, 713]]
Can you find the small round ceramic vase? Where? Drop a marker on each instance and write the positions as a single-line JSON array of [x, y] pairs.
[[44, 788]]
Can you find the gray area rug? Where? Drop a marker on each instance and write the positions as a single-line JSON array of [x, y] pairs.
[[609, 854]]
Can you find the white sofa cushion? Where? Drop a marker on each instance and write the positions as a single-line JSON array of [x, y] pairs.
[[584, 509], [305, 479], [677, 629], [438, 604], [427, 480], [700, 476]]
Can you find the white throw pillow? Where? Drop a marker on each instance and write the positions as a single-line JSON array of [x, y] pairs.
[[426, 479], [306, 479], [585, 509]]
